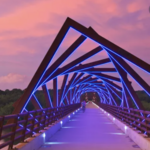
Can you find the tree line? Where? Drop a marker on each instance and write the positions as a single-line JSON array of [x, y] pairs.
[[9, 97]]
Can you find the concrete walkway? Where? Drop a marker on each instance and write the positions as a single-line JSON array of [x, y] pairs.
[[90, 130]]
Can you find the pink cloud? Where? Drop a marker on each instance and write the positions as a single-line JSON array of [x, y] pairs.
[[135, 6], [13, 80], [27, 30]]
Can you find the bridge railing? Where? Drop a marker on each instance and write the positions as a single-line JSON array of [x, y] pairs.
[[135, 118], [26, 124]]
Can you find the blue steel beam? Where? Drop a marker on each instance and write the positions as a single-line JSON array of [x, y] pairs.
[[128, 86]]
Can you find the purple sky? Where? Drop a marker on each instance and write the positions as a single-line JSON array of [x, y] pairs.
[[27, 29]]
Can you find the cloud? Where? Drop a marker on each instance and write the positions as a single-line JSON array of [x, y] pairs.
[[7, 6], [12, 78], [135, 6], [28, 28]]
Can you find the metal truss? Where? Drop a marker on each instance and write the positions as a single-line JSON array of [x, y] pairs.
[[94, 80]]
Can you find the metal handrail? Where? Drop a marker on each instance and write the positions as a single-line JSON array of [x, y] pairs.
[[138, 119], [26, 124]]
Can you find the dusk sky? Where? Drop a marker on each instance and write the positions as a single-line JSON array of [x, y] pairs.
[[28, 28]]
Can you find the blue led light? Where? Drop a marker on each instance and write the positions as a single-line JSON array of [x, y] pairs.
[[124, 93], [125, 84], [131, 75], [36, 86], [110, 95], [61, 63], [82, 70], [85, 85], [44, 135], [104, 47], [76, 64], [49, 97], [37, 101]]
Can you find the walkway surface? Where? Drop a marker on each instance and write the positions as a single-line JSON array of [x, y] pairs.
[[90, 130]]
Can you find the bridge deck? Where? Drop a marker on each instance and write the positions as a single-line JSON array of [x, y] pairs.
[[91, 130]]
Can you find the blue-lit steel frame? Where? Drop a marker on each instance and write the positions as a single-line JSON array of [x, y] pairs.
[[63, 88], [37, 101], [110, 95], [71, 65], [134, 97], [130, 71], [47, 96], [64, 56], [55, 95], [73, 89]]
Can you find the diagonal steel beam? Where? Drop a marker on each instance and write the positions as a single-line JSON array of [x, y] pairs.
[[109, 45], [101, 76], [126, 82], [129, 70], [63, 87], [89, 65], [113, 84], [99, 70], [74, 63], [47, 96], [23, 101], [50, 71]]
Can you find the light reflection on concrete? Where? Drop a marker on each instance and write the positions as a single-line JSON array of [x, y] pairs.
[[116, 133], [54, 143], [73, 120], [69, 127]]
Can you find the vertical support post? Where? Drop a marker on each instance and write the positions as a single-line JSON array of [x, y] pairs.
[[33, 121], [1, 125], [55, 90], [68, 96], [71, 96], [25, 126], [14, 133]]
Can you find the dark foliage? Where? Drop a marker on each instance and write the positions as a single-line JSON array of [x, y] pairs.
[[9, 97]]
